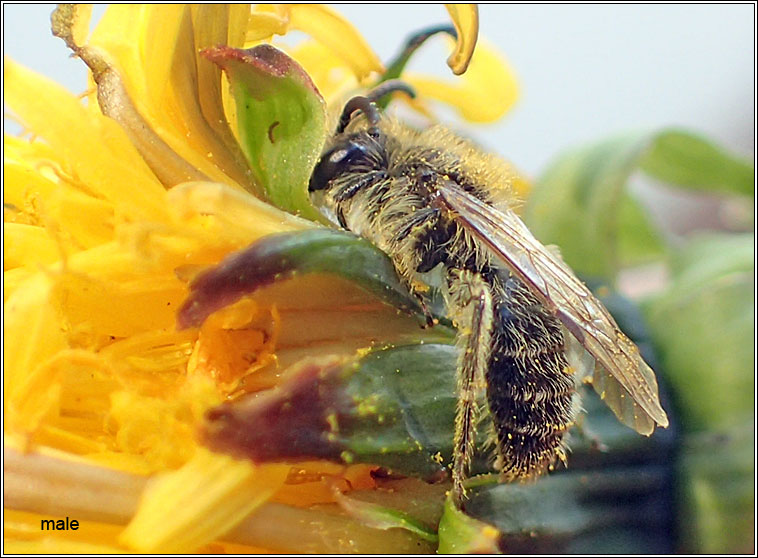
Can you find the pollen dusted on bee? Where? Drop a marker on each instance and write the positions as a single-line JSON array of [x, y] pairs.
[[441, 209]]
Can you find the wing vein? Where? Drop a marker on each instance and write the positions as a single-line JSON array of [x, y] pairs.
[[564, 295]]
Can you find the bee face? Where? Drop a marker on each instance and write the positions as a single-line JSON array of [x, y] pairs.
[[431, 199], [353, 164], [348, 154]]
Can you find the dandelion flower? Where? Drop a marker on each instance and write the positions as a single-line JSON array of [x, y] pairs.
[[113, 203]]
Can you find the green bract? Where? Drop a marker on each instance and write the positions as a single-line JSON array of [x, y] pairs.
[[286, 255], [460, 533], [281, 119], [687, 160]]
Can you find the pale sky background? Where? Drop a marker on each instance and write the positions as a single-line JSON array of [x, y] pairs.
[[586, 71]]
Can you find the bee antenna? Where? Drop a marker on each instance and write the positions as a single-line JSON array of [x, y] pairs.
[[390, 86], [363, 104], [367, 104]]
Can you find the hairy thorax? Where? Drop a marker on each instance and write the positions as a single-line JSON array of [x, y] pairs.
[[387, 191], [388, 195]]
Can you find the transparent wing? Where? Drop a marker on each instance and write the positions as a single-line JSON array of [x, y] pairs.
[[623, 379]]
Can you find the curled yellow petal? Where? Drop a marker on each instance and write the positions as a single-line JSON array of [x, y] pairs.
[[116, 103], [335, 32], [466, 21], [483, 94]]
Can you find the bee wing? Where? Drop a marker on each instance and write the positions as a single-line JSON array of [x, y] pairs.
[[623, 379]]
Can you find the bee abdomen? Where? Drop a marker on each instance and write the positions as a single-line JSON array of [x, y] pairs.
[[530, 388]]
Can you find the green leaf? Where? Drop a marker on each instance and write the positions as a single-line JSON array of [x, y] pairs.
[[282, 256], [703, 326], [710, 256], [684, 159], [614, 510], [717, 484], [281, 120], [581, 204], [460, 533]]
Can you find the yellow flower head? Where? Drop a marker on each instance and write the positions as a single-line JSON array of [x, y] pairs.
[[112, 204]]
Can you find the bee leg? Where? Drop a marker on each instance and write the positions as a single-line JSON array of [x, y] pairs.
[[471, 304], [429, 319]]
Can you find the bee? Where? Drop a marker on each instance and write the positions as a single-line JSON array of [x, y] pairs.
[[443, 211]]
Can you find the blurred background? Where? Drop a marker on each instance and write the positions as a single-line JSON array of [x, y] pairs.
[[585, 70]]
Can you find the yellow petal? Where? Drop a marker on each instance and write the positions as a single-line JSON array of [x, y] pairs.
[[28, 245], [483, 94], [336, 33], [32, 334], [69, 393], [62, 438], [152, 427], [242, 215], [14, 278], [466, 21], [123, 309], [54, 545], [79, 220], [332, 76], [110, 96], [98, 151], [22, 532], [212, 25], [200, 502], [264, 25]]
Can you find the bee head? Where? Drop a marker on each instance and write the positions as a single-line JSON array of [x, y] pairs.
[[350, 151], [340, 158]]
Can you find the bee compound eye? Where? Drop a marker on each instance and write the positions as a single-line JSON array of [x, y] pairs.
[[337, 160]]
